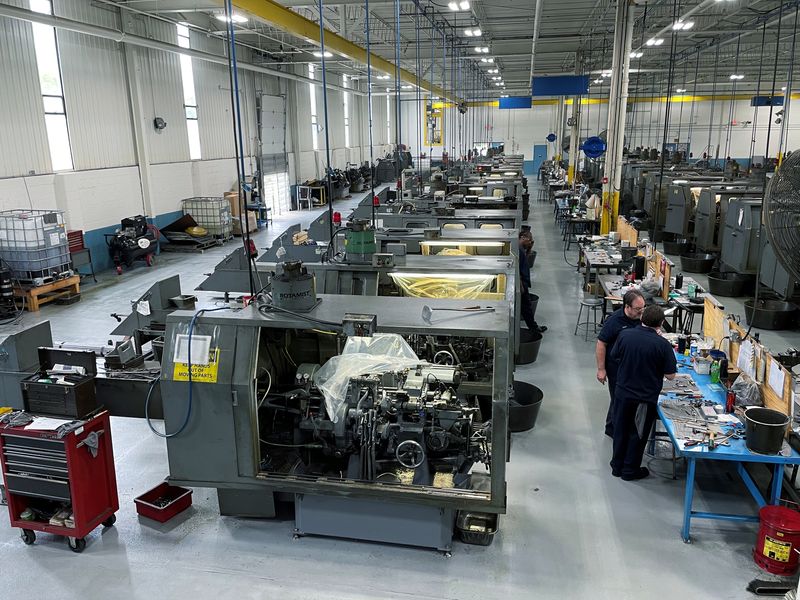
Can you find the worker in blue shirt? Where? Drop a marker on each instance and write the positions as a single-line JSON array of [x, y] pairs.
[[645, 359], [526, 310], [618, 321]]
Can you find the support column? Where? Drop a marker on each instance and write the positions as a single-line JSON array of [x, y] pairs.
[[560, 119], [617, 105], [138, 119], [574, 140]]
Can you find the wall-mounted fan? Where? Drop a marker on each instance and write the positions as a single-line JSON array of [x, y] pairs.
[[782, 214]]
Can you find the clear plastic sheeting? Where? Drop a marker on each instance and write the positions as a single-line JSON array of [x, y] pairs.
[[374, 355], [470, 287]]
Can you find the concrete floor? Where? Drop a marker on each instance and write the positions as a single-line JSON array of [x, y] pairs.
[[572, 530]]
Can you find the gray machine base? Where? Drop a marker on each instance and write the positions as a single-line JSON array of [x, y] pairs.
[[259, 504], [377, 521]]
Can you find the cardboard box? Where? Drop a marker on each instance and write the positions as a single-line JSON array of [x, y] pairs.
[[233, 198], [252, 223]]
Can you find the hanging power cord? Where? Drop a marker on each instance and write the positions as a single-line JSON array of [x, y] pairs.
[[328, 171], [238, 144], [665, 134], [189, 379]]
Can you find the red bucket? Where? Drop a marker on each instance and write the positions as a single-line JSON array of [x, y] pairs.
[[778, 537]]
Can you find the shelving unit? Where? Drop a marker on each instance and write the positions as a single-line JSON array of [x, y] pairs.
[[44, 472]]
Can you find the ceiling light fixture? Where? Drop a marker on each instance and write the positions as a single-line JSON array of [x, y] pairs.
[[452, 5], [383, 77], [235, 18], [487, 60], [477, 32], [654, 42], [736, 77], [468, 32], [598, 81], [687, 25], [639, 54], [464, 5], [680, 90], [318, 54]]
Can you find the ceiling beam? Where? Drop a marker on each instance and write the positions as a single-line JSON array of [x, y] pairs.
[[291, 22]]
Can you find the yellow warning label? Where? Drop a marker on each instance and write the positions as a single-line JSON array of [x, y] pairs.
[[200, 373], [777, 550]]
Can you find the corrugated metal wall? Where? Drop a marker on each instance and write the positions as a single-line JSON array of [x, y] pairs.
[[24, 145], [95, 89]]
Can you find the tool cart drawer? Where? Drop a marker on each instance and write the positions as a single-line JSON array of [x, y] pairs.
[[40, 487], [26, 468], [34, 460], [23, 442]]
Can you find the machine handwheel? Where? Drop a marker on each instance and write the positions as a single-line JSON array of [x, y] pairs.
[[76, 544], [109, 522], [410, 454], [28, 536]]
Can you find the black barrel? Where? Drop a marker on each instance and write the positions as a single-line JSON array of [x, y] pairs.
[[695, 262], [770, 314], [765, 429], [524, 407], [529, 344]]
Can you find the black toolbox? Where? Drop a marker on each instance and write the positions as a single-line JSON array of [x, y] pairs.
[[43, 396]]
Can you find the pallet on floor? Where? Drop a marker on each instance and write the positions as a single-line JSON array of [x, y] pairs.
[[35, 296]]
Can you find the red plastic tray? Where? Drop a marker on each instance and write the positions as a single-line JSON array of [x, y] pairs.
[[180, 500]]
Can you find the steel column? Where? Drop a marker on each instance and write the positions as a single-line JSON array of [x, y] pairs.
[[618, 102], [574, 140]]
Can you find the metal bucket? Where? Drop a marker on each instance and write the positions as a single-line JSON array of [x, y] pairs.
[[765, 429]]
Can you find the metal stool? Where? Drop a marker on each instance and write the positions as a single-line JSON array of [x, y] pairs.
[[543, 196], [592, 306]]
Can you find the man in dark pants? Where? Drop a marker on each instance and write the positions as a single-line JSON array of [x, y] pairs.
[[645, 359], [526, 310], [618, 321]]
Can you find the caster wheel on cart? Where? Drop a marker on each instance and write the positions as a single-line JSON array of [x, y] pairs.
[[109, 522], [119, 269], [28, 536], [76, 544]]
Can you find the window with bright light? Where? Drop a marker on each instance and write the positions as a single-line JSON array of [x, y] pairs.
[[312, 97], [346, 96], [55, 113], [276, 190], [189, 95]]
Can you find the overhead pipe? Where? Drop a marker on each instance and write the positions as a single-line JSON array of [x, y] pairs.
[[537, 16]]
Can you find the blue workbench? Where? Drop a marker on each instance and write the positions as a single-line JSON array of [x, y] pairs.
[[737, 453]]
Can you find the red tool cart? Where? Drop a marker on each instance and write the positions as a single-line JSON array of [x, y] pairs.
[[45, 475]]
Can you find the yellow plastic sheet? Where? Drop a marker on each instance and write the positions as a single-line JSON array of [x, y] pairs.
[[444, 286]]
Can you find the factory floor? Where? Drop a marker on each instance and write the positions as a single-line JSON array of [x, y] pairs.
[[572, 530]]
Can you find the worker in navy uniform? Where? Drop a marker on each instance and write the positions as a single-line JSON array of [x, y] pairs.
[[618, 321], [644, 360], [526, 310]]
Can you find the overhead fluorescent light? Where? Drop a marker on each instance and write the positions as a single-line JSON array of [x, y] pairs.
[[319, 54], [680, 90], [783, 89], [452, 5], [472, 32], [659, 41], [598, 81], [736, 77], [464, 5], [383, 77], [407, 87], [654, 42], [687, 25], [235, 18], [487, 60], [481, 49], [639, 54], [477, 32], [504, 95], [468, 32]]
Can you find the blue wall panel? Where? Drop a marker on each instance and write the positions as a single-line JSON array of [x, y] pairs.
[[561, 85]]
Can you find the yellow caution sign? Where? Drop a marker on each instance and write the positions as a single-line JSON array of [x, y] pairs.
[[200, 373], [777, 550]]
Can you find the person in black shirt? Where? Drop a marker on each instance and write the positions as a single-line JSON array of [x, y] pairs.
[[526, 309], [645, 359], [618, 321]]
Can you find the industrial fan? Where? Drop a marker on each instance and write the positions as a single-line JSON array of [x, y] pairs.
[[782, 214]]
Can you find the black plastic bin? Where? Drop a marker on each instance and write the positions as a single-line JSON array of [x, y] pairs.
[[524, 407], [529, 344]]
